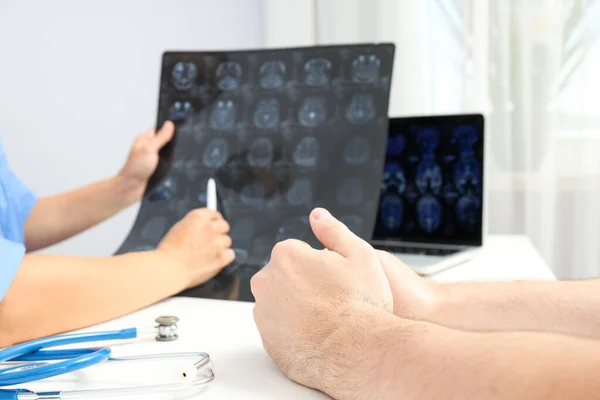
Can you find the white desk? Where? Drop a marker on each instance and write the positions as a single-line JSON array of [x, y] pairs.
[[504, 257], [227, 332]]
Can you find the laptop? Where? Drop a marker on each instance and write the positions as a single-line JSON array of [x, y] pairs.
[[431, 208]]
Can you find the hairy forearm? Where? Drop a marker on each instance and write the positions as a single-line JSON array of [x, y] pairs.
[[59, 217], [53, 294], [560, 307], [393, 358]]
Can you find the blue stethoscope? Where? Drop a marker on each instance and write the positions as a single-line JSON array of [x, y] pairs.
[[30, 361]]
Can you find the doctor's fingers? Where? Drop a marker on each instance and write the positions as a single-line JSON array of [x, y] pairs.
[[145, 141], [226, 257], [336, 237], [219, 249], [220, 226], [163, 136], [200, 215], [220, 242], [200, 223]]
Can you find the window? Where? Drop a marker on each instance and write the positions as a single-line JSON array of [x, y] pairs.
[[578, 100], [450, 47]]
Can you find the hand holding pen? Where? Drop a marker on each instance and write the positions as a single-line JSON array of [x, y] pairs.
[[200, 242]]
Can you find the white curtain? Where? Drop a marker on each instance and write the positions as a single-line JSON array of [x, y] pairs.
[[531, 66]]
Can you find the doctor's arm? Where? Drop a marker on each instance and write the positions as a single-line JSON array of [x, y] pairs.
[[568, 307], [52, 294], [59, 217]]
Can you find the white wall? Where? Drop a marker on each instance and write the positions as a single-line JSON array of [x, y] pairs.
[[79, 80]]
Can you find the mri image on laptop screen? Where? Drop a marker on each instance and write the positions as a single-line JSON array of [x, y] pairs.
[[432, 188]]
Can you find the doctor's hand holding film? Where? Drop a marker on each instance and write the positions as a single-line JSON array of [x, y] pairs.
[[200, 244], [61, 216], [144, 157]]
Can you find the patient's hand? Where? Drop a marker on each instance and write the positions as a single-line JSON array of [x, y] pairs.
[[201, 244], [304, 297], [414, 296]]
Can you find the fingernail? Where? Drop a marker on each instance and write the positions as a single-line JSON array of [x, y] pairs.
[[321, 213]]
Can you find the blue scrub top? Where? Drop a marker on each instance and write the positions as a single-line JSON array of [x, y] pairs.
[[16, 202]]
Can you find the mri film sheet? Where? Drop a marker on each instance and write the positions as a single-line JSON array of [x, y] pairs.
[[281, 132]]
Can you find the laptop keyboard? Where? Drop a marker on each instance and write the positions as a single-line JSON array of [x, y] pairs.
[[418, 250]]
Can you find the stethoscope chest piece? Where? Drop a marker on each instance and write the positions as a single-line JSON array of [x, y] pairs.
[[167, 328]]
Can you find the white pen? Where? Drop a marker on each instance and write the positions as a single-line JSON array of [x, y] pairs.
[[211, 195]]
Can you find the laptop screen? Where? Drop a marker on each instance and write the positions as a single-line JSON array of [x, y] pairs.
[[432, 189]]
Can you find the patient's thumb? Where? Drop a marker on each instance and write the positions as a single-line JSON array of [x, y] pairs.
[[334, 235]]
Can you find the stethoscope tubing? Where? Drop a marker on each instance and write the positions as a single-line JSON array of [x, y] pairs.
[[72, 360], [28, 362], [196, 382]]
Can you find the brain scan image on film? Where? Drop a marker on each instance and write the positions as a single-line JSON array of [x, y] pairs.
[[261, 153], [312, 112], [306, 152], [432, 184], [365, 68], [266, 115], [188, 168], [222, 116], [181, 111], [361, 109], [272, 74], [164, 191], [229, 76], [184, 75], [350, 192], [317, 72], [357, 151], [300, 193], [215, 154], [281, 131], [253, 193]]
